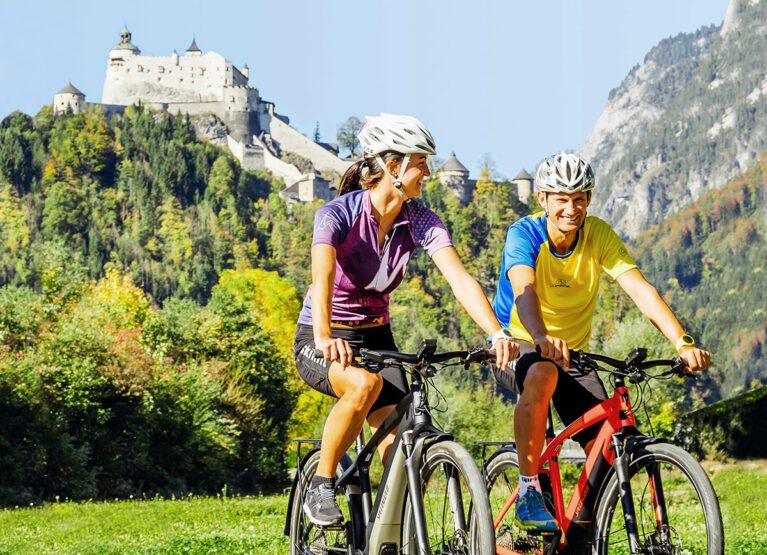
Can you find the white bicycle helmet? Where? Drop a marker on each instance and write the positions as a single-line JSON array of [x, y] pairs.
[[403, 134], [564, 173]]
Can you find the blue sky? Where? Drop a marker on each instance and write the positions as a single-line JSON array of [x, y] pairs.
[[515, 79]]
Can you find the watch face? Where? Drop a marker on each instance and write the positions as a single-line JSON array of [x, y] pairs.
[[688, 340]]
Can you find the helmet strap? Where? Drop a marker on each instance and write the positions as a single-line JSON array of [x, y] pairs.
[[400, 174]]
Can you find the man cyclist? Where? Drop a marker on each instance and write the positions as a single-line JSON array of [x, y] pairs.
[[547, 294]]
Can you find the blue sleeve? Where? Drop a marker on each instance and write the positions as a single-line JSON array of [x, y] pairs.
[[522, 246], [523, 243]]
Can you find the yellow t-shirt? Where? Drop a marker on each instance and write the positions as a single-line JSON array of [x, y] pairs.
[[566, 285]]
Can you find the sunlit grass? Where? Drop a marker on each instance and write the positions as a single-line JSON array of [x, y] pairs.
[[254, 525]]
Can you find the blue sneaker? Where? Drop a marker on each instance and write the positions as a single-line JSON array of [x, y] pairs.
[[532, 515]]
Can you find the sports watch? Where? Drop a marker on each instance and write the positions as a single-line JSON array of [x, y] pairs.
[[502, 333], [684, 341]]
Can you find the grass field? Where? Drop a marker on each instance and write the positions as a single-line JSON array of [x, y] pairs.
[[254, 525]]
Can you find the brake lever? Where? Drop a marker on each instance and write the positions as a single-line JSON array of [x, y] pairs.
[[678, 369]]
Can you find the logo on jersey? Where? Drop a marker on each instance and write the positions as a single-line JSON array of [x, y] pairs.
[[561, 283], [383, 279], [327, 221]]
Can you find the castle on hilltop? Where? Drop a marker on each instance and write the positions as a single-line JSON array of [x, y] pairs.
[[210, 87], [198, 84]]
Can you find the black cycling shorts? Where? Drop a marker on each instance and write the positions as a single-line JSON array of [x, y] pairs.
[[576, 392], [314, 370]]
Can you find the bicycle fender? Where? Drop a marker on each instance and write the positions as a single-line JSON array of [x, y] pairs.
[[494, 455], [427, 439]]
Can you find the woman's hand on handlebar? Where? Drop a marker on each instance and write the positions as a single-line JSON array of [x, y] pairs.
[[506, 350], [335, 350]]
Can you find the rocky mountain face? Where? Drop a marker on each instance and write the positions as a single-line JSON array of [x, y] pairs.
[[686, 120]]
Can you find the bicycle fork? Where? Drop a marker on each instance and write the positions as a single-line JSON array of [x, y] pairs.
[[627, 500], [412, 466]]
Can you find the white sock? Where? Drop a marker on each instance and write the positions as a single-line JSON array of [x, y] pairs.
[[526, 482]]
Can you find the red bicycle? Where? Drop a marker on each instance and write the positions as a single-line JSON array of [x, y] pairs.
[[635, 494]]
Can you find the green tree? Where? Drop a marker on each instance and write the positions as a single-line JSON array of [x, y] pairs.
[[347, 135]]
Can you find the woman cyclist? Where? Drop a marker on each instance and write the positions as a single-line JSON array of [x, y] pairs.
[[362, 243]]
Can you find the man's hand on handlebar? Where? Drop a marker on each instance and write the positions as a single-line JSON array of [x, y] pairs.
[[554, 349], [696, 359], [335, 350]]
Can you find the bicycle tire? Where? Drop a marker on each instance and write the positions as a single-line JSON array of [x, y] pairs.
[[305, 538], [683, 481], [457, 469], [501, 477]]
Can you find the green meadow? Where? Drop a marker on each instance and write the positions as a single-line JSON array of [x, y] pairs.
[[253, 525]]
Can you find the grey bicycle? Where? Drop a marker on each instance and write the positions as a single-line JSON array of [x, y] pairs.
[[431, 498]]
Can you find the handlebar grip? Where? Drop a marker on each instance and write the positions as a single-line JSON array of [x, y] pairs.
[[318, 353]]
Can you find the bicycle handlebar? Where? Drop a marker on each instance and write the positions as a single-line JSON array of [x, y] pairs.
[[634, 361], [384, 357]]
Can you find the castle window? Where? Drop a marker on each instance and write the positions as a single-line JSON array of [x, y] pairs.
[[161, 69], [139, 68]]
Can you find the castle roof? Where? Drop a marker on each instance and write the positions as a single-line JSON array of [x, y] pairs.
[[193, 47], [523, 175], [70, 89], [126, 45], [453, 165]]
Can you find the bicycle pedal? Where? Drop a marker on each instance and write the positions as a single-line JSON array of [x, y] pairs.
[[338, 527]]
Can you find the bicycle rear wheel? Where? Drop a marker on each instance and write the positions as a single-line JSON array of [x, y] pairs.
[[676, 507], [305, 537], [502, 477], [456, 510]]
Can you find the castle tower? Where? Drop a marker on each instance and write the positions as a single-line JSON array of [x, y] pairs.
[[246, 71], [453, 171], [193, 49], [524, 183], [125, 48], [68, 97], [455, 176]]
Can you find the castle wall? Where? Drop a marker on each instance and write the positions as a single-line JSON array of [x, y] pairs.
[[288, 172], [291, 140], [171, 78], [251, 157]]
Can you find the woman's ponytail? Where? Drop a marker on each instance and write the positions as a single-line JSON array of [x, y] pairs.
[[366, 172]]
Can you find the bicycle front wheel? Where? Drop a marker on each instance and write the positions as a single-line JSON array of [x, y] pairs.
[[456, 509], [677, 511]]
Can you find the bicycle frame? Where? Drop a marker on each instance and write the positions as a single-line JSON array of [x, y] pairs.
[[381, 522], [619, 423]]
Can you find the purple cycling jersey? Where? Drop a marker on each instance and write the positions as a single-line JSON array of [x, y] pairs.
[[365, 273]]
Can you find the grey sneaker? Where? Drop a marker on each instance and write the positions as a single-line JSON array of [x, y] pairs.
[[320, 506]]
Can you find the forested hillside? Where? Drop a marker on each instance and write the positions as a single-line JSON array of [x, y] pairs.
[[150, 288], [709, 261]]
